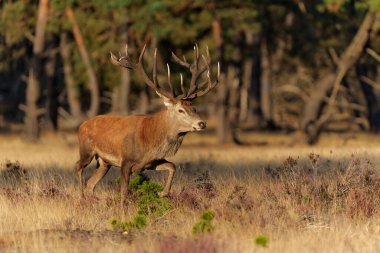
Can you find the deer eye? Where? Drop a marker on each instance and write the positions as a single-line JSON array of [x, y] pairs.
[[181, 111]]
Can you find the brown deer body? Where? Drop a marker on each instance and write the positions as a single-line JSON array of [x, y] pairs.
[[140, 142]]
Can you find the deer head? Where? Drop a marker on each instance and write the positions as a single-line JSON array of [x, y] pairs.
[[179, 107]]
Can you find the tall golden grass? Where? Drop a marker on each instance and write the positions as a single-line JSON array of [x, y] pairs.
[[302, 199]]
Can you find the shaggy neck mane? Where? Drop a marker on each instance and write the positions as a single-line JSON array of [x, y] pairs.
[[157, 129]]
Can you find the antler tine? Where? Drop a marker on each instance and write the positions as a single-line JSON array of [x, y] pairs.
[[194, 70], [122, 61], [196, 52], [196, 73], [184, 92], [126, 50], [155, 67], [195, 90], [218, 72], [183, 63], [169, 81], [142, 53], [206, 63], [210, 84], [114, 59], [125, 61]]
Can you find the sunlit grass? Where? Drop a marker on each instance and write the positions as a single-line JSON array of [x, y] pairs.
[[294, 198]]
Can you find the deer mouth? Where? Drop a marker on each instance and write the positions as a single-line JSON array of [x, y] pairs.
[[197, 128], [181, 134]]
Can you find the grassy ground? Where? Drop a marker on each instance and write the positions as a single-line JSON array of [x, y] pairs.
[[289, 196]]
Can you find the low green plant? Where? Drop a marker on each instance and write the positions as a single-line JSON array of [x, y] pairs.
[[262, 241], [138, 222], [136, 182], [149, 204], [204, 224], [114, 223], [118, 181]]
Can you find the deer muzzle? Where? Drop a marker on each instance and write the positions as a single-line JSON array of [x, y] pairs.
[[200, 125]]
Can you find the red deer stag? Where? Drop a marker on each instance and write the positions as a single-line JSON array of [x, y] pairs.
[[140, 142]]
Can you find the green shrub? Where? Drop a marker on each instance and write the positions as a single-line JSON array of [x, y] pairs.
[[262, 240], [149, 204], [138, 222], [136, 182], [114, 223], [204, 224]]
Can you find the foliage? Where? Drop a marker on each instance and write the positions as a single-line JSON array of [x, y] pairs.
[[136, 182], [302, 38], [149, 204], [204, 225], [148, 201], [138, 222], [262, 240]]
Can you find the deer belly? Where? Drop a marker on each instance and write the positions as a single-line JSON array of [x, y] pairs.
[[109, 158]]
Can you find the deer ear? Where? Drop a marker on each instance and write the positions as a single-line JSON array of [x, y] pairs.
[[167, 101]]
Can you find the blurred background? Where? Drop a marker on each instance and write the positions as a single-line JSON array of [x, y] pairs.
[[293, 66]]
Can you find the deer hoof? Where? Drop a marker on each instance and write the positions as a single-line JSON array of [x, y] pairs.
[[162, 194]]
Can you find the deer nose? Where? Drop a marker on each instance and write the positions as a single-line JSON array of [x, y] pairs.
[[202, 125]]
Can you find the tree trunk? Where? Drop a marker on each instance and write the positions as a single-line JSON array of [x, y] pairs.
[[223, 126], [71, 89], [234, 77], [266, 85], [313, 120], [32, 112], [92, 81], [121, 93], [246, 77], [255, 116], [52, 91], [233, 83], [371, 100], [143, 105], [125, 90]]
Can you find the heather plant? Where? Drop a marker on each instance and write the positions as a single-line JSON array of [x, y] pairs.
[[13, 173]]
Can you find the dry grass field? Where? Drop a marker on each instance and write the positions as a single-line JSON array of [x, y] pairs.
[[293, 197]]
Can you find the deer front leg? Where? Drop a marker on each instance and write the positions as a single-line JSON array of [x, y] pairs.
[[125, 176], [170, 167]]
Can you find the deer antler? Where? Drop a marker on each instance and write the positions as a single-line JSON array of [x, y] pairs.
[[126, 62], [195, 89]]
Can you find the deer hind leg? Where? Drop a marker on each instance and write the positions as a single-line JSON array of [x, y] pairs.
[[170, 167], [99, 173], [84, 160]]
